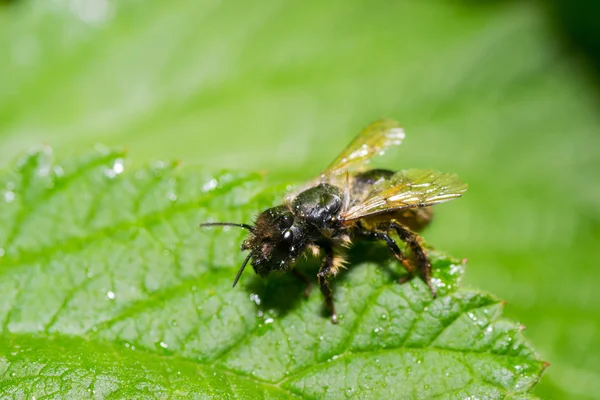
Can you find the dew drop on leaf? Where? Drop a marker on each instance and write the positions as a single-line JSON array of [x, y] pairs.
[[210, 185], [9, 196], [255, 298], [116, 169]]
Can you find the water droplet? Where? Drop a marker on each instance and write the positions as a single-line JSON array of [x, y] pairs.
[[321, 338], [254, 297], [173, 323], [384, 316], [172, 196], [110, 294], [163, 345], [118, 166], [116, 169], [127, 345], [269, 321], [9, 196], [454, 269], [438, 283], [2, 252], [210, 185]]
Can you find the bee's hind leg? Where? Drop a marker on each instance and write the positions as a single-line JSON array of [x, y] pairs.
[[422, 261], [395, 250], [327, 269]]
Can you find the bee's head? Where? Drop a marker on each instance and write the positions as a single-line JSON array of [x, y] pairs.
[[274, 241]]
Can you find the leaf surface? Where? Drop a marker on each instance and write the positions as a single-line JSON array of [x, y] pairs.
[[110, 289]]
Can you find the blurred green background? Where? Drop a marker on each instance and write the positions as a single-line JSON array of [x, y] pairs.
[[503, 93]]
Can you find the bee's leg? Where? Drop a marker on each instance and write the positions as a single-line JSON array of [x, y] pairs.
[[414, 242], [304, 279], [395, 250], [323, 277]]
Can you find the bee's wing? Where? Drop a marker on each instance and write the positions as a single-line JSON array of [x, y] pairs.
[[407, 189], [372, 140]]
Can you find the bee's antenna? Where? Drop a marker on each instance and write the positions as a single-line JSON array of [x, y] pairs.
[[237, 277], [244, 226]]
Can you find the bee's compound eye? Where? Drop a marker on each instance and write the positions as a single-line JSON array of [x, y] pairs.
[[288, 235], [284, 221]]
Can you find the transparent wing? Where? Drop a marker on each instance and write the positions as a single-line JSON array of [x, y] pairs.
[[372, 140], [406, 189]]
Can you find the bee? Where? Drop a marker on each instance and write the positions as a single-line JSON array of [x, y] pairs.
[[349, 202]]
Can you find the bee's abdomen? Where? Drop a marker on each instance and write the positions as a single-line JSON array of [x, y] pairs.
[[416, 219], [363, 183]]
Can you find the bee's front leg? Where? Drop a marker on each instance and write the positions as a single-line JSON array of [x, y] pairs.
[[327, 269]]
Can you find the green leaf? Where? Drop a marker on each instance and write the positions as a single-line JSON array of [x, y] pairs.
[[110, 289]]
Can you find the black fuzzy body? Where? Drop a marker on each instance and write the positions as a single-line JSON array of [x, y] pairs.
[[312, 220]]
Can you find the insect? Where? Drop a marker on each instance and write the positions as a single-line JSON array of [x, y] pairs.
[[347, 203]]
